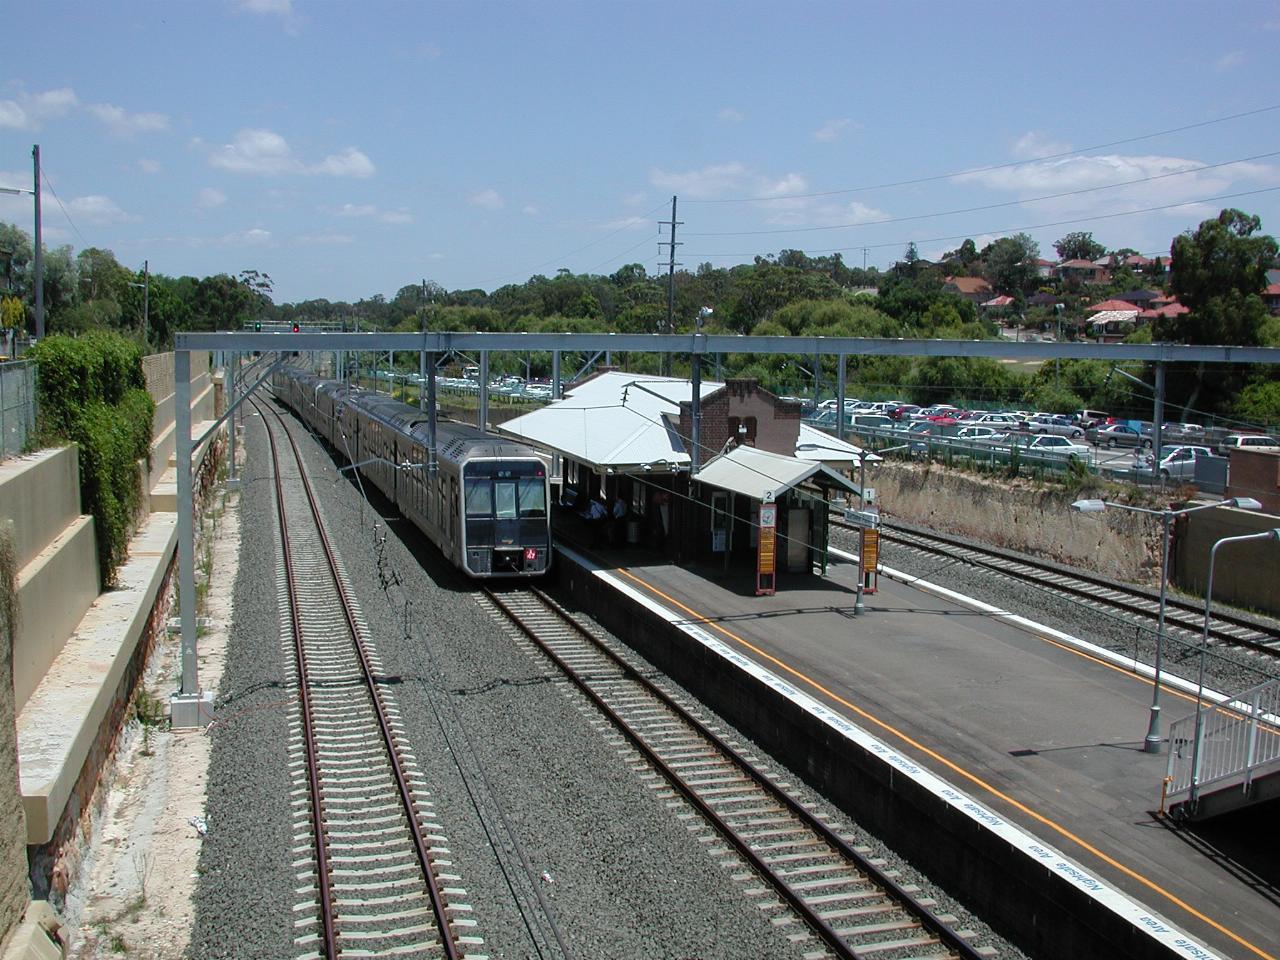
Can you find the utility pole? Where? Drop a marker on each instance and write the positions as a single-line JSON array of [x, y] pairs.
[[146, 300], [671, 281], [39, 279]]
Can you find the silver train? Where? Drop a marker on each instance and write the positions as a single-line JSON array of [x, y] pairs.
[[487, 504]]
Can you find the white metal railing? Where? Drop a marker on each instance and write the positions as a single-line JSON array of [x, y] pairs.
[[1236, 740]]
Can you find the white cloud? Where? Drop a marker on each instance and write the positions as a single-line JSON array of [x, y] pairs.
[[211, 197], [832, 130], [624, 223], [729, 115], [1033, 146], [1229, 61], [349, 163], [256, 151], [255, 236], [1067, 174], [820, 212], [19, 209], [488, 199], [327, 238], [279, 7], [530, 210], [124, 124], [265, 153], [96, 209], [633, 199], [434, 256], [354, 210], [147, 166], [28, 110]]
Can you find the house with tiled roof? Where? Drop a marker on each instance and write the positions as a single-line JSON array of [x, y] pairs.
[[974, 289], [1140, 298], [1271, 297], [1085, 271], [1045, 268]]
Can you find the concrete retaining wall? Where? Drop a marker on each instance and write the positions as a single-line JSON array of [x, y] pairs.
[[1246, 574], [1045, 915], [1021, 516], [57, 558]]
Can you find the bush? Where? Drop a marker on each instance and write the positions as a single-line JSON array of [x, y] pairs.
[[91, 392]]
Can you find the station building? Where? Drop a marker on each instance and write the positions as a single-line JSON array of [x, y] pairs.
[[624, 441]]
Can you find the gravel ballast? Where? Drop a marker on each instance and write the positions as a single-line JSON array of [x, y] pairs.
[[562, 848]]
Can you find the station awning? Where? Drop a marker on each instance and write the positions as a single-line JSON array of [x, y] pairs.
[[761, 475]]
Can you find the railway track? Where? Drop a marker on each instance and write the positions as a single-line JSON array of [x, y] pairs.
[[374, 869], [814, 882], [1181, 618]]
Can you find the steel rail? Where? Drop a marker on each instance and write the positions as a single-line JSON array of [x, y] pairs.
[[1185, 615], [421, 850], [948, 937], [313, 769]]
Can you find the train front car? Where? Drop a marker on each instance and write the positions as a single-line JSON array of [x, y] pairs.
[[507, 524]]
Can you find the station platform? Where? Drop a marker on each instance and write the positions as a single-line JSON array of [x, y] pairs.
[[1039, 732]]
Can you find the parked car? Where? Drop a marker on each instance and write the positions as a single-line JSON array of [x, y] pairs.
[[1247, 441], [1117, 435], [1177, 462], [1055, 425], [975, 433], [871, 421], [903, 411], [999, 421], [1091, 418], [1057, 446]]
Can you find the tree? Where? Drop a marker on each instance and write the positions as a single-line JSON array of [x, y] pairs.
[[1219, 272], [1011, 264], [1079, 246]]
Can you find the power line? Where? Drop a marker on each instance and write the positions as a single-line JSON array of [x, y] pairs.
[[1009, 230], [994, 166], [989, 206], [560, 259], [45, 177]]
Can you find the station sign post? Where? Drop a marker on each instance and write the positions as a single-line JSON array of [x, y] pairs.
[[766, 559]]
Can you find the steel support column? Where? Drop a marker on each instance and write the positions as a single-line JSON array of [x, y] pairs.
[[189, 707]]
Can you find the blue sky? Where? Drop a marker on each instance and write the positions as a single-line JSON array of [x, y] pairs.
[[348, 149]]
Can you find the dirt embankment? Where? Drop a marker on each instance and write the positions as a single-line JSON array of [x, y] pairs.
[[1022, 515]]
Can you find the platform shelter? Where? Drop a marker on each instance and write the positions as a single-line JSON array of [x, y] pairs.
[[624, 442]]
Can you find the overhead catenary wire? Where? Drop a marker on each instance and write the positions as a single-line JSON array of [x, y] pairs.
[[932, 178]]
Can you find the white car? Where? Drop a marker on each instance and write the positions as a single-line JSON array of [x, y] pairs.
[[1057, 446]]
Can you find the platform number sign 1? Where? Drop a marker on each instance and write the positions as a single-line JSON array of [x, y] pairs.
[[767, 558]]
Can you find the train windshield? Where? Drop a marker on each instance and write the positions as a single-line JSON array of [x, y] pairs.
[[506, 491]]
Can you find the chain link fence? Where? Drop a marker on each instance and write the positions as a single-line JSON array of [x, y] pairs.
[[17, 406]]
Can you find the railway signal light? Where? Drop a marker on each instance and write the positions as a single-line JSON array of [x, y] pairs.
[[296, 327], [257, 326]]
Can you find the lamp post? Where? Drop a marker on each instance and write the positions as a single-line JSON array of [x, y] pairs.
[[1273, 534], [1151, 744], [38, 251], [146, 300]]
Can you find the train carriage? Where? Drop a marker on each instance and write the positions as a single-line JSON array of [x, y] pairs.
[[486, 506]]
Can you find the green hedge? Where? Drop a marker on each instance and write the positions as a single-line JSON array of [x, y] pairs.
[[92, 392]]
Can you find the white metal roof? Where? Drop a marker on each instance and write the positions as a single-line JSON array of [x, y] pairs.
[[614, 420], [762, 475], [827, 449]]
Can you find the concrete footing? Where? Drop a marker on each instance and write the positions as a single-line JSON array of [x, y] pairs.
[[39, 935], [187, 711]]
